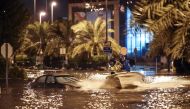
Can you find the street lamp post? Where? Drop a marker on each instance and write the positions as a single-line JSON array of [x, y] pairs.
[[42, 13], [34, 10], [106, 20], [46, 5], [52, 5]]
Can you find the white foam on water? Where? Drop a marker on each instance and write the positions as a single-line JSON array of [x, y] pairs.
[[158, 82], [91, 84], [168, 82], [95, 81], [127, 80]]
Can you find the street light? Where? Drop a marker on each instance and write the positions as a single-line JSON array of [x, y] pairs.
[[52, 5], [42, 13]]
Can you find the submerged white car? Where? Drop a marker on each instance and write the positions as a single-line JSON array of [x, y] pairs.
[[55, 81]]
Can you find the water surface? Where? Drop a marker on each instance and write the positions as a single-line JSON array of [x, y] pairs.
[[157, 92]]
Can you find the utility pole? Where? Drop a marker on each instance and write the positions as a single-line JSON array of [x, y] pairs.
[[106, 21], [34, 10]]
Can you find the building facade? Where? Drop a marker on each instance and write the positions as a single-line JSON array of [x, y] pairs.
[[90, 10], [136, 40]]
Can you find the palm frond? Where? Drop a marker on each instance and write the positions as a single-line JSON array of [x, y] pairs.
[[90, 37], [79, 49], [169, 21]]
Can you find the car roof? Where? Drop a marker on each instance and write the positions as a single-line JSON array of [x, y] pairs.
[[59, 74]]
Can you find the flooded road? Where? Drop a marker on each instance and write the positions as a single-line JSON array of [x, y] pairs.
[[157, 92]]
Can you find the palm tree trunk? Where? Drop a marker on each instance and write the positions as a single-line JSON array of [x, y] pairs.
[[168, 63], [14, 57], [66, 57]]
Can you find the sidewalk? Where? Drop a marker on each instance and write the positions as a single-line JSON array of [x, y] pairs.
[[145, 70], [151, 70], [165, 72]]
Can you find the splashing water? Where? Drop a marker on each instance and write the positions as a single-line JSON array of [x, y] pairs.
[[134, 81], [153, 82], [95, 81]]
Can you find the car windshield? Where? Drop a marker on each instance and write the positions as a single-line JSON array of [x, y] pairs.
[[61, 79], [50, 79], [41, 79]]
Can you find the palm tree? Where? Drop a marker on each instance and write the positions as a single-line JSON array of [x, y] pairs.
[[35, 37], [90, 38], [61, 28], [61, 32], [169, 22]]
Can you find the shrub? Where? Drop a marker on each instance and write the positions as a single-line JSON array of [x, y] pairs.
[[2, 67], [182, 66], [98, 61], [17, 73], [83, 62]]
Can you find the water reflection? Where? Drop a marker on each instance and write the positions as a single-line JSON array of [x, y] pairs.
[[46, 99], [167, 99], [56, 99], [166, 82], [101, 99]]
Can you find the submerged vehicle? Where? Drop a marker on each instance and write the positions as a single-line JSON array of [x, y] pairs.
[[55, 81]]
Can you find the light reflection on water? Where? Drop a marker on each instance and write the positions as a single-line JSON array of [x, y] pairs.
[[40, 99], [152, 97], [101, 100], [167, 99]]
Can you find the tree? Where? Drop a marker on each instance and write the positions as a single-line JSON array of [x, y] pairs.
[[61, 31], [169, 22], [13, 18], [90, 38], [62, 28], [45, 37], [35, 38]]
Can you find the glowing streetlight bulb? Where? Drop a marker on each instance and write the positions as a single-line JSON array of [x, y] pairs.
[[52, 5], [42, 13]]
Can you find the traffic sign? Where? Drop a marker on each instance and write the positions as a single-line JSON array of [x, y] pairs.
[[39, 60], [107, 47], [107, 50], [6, 50], [62, 51]]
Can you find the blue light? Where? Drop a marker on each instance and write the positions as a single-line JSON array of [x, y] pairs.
[[136, 38]]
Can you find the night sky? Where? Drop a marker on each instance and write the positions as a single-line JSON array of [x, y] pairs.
[[60, 11]]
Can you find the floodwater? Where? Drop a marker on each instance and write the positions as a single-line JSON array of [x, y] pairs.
[[156, 92]]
